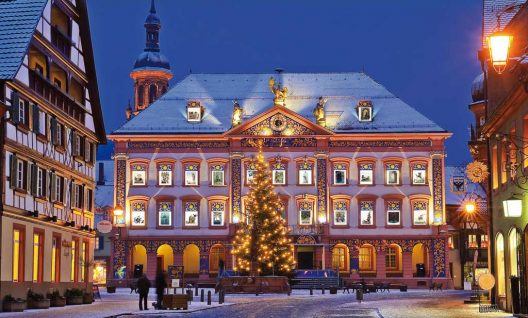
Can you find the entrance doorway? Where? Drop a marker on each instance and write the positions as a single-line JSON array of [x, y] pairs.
[[305, 257], [159, 263]]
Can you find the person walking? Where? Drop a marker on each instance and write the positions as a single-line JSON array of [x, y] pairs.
[[161, 284], [143, 286]]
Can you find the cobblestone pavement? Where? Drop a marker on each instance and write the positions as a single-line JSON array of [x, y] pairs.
[[415, 303]]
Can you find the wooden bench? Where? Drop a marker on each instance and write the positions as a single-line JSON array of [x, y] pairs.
[[178, 301]]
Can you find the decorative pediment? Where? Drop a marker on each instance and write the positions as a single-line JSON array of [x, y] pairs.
[[279, 121]]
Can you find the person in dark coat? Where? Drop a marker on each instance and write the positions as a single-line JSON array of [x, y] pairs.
[[143, 286], [161, 284]]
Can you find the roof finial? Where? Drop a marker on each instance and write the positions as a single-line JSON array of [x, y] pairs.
[[152, 7]]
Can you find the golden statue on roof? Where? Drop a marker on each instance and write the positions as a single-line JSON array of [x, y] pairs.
[[319, 112], [281, 93]]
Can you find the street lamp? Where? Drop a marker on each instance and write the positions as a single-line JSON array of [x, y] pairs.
[[499, 44], [470, 207], [512, 207], [118, 213]]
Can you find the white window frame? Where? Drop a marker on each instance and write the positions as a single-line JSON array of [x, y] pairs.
[[309, 173], [139, 172], [300, 216], [424, 176], [160, 178], [22, 112], [191, 172], [192, 110], [344, 178], [363, 216], [222, 218], [187, 213], [20, 174], [43, 123], [160, 212], [389, 211], [135, 213], [417, 213], [248, 179], [274, 173], [40, 182], [388, 171], [213, 172], [345, 212], [59, 133], [371, 175]]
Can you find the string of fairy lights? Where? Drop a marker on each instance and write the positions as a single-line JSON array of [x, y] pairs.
[[262, 244]]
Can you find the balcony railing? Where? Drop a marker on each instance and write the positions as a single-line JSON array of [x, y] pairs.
[[53, 94], [61, 41]]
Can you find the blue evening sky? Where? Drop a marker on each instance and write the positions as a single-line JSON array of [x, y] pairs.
[[422, 51]]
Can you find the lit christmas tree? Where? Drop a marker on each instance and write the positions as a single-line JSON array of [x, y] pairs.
[[262, 245]]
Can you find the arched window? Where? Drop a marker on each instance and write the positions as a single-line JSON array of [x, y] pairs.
[[367, 258], [501, 273], [191, 259], [139, 257], [393, 258], [152, 93], [165, 257], [216, 258], [420, 255], [141, 95], [513, 245], [339, 257]]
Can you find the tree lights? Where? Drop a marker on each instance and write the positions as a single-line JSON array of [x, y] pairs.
[[261, 244]]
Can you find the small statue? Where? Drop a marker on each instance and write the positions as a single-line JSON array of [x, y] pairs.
[[319, 112], [281, 93], [236, 119]]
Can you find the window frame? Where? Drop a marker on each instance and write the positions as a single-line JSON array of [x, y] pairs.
[[186, 163], [282, 164], [139, 165], [21, 253], [413, 165], [392, 165], [306, 200], [372, 258], [373, 200], [416, 201], [362, 163], [188, 200], [37, 269], [397, 249], [211, 202], [217, 165], [340, 164], [165, 166], [57, 237], [336, 200], [302, 164], [390, 205], [247, 166], [145, 202], [160, 200], [344, 248]]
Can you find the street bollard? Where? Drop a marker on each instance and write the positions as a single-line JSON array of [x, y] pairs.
[[311, 290], [189, 295], [359, 295], [196, 290], [209, 297], [202, 296], [323, 290], [221, 297]]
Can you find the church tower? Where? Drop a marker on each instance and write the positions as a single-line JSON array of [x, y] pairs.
[[151, 73]]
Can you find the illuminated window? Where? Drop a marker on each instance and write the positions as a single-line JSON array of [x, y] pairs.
[[450, 243], [366, 258], [55, 259], [419, 212], [366, 212], [305, 213], [37, 257], [191, 174], [165, 214], [139, 175], [472, 241], [393, 212], [217, 213], [18, 255], [392, 258], [392, 173], [340, 212], [366, 173], [191, 213], [73, 263], [305, 171], [494, 168], [278, 173], [138, 213], [216, 258], [339, 257], [250, 173], [364, 109], [165, 174], [217, 175], [84, 254], [194, 112], [484, 241], [340, 174], [419, 173]]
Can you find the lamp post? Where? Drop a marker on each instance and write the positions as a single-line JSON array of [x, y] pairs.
[[499, 44]]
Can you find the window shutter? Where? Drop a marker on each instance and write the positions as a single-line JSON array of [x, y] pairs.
[[53, 126], [73, 138], [82, 204], [13, 174], [34, 175], [72, 194], [44, 183], [15, 100], [36, 118], [93, 152], [101, 242], [53, 181], [87, 153]]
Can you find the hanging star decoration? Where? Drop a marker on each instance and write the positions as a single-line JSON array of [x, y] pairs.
[[477, 171]]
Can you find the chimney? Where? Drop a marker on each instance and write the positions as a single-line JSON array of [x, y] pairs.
[[101, 177]]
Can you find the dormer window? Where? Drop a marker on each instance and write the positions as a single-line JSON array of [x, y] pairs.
[[364, 108], [194, 112]]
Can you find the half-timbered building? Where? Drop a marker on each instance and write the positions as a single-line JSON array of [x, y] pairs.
[[49, 139]]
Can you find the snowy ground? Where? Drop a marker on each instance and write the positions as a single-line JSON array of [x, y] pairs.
[[415, 303]]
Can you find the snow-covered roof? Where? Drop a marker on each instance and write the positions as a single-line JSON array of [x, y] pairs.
[[216, 92], [455, 198], [104, 194]]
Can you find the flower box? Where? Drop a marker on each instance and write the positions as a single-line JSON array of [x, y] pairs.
[[14, 306], [38, 304], [58, 302], [87, 298], [111, 289], [74, 300]]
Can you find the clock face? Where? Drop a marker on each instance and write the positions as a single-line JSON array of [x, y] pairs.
[[278, 122]]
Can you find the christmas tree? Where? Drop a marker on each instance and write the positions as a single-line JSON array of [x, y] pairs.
[[261, 244]]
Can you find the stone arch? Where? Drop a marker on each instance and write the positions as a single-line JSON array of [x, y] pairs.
[[217, 255], [420, 255], [500, 264], [165, 257], [340, 257], [393, 258], [191, 259], [367, 258], [139, 257]]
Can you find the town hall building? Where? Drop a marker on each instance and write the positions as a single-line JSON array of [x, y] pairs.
[[360, 173]]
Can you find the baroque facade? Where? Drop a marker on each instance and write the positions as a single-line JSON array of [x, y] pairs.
[[49, 142], [359, 172]]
